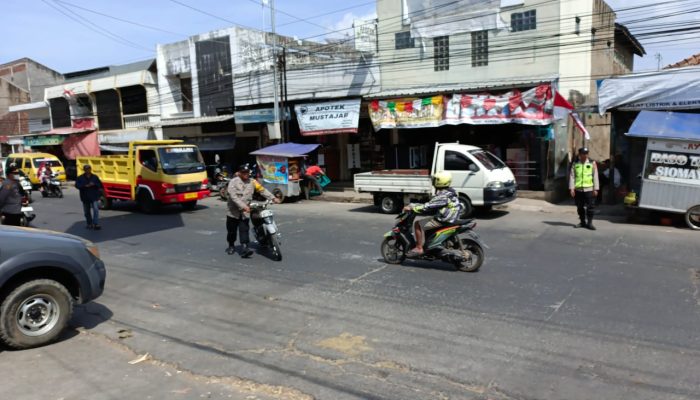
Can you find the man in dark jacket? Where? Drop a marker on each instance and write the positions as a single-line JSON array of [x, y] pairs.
[[11, 194], [90, 188]]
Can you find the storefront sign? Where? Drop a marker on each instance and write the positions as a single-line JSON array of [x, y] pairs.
[[261, 115], [48, 140], [673, 162], [273, 169], [407, 113], [532, 107], [328, 118]]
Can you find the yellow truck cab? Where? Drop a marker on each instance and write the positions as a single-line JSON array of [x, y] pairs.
[[29, 163], [153, 172]]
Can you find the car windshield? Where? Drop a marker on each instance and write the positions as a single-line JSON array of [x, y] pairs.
[[49, 162], [180, 160], [488, 160]]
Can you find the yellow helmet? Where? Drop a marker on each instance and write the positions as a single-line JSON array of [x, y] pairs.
[[442, 179]]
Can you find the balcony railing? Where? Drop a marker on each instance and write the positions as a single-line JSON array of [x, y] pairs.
[[136, 120]]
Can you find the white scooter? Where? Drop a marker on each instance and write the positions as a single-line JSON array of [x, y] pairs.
[[265, 228], [27, 186]]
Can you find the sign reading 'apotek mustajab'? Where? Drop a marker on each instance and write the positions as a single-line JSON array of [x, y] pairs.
[[677, 162], [328, 118]]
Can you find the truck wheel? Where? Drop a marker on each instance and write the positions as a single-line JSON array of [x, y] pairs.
[[692, 218], [34, 314], [146, 204], [467, 208], [104, 203], [389, 204], [189, 205]]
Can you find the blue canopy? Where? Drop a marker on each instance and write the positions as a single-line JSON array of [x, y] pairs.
[[286, 150], [666, 125]]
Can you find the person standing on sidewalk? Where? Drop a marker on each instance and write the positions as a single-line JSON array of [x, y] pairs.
[[90, 188], [11, 195], [583, 187], [240, 194]]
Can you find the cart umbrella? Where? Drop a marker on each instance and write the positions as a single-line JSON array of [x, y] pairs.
[[288, 150]]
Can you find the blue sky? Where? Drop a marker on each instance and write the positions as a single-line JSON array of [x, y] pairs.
[[33, 28]]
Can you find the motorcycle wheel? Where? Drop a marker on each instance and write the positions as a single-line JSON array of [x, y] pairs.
[[223, 194], [477, 256], [23, 221], [275, 246], [59, 192], [44, 193], [393, 250]]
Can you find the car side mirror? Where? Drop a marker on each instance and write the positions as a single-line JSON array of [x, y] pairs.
[[473, 168]]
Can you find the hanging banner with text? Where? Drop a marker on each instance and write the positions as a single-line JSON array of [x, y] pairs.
[[406, 113], [531, 107], [273, 169], [328, 118]]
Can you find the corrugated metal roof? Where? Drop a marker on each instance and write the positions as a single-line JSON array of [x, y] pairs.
[[29, 106], [190, 121], [459, 87], [111, 70]]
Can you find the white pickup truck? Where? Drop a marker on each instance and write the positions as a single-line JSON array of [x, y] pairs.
[[480, 178]]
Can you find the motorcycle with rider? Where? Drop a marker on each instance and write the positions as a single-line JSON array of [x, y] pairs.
[[437, 237]]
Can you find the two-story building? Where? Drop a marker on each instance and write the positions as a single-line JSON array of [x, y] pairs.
[[99, 109], [485, 73], [216, 90], [22, 107]]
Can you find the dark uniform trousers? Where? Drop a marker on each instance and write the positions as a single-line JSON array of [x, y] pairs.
[[585, 204]]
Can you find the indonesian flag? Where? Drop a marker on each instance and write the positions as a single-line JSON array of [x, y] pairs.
[[579, 125], [562, 108]]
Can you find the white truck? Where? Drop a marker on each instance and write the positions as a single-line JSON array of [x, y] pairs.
[[480, 178]]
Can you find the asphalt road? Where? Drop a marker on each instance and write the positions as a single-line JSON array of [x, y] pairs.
[[554, 313]]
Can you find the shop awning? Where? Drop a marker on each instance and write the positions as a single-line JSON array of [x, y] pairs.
[[190, 121], [64, 131], [212, 143], [125, 136], [671, 89], [666, 125], [286, 150]]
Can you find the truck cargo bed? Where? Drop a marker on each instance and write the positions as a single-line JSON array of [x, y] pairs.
[[394, 181]]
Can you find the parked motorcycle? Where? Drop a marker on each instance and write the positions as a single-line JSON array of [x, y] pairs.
[[465, 253], [27, 212], [265, 228], [52, 187], [221, 186]]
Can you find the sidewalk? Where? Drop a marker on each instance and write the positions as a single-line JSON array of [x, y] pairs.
[[520, 204]]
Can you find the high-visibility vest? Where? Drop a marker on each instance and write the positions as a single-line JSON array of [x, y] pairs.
[[583, 175]]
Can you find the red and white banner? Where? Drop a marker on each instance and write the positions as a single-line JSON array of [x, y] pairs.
[[532, 107]]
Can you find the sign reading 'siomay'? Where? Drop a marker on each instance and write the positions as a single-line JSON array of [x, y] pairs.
[[328, 118]]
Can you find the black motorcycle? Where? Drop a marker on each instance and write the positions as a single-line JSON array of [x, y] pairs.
[[465, 253], [52, 187]]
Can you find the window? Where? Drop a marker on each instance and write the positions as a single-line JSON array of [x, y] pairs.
[[186, 94], [181, 160], [441, 53], [403, 40], [148, 159], [488, 160], [523, 21], [455, 161], [27, 164], [480, 48]]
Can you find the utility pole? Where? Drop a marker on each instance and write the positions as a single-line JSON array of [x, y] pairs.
[[275, 134], [658, 61]]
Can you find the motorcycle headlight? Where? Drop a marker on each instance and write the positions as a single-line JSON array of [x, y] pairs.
[[495, 185]]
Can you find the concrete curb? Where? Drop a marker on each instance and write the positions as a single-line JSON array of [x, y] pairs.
[[330, 197]]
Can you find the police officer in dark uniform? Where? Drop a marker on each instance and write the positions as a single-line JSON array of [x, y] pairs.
[[584, 187], [11, 195]]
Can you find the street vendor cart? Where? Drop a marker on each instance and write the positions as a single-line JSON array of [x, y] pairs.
[[671, 173], [279, 168]]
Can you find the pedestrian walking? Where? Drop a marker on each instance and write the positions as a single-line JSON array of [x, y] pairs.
[[240, 193], [11, 195], [90, 188], [583, 187]]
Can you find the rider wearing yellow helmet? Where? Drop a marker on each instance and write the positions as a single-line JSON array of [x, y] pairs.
[[444, 207]]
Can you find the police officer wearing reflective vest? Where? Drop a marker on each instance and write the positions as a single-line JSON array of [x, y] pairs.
[[584, 187]]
